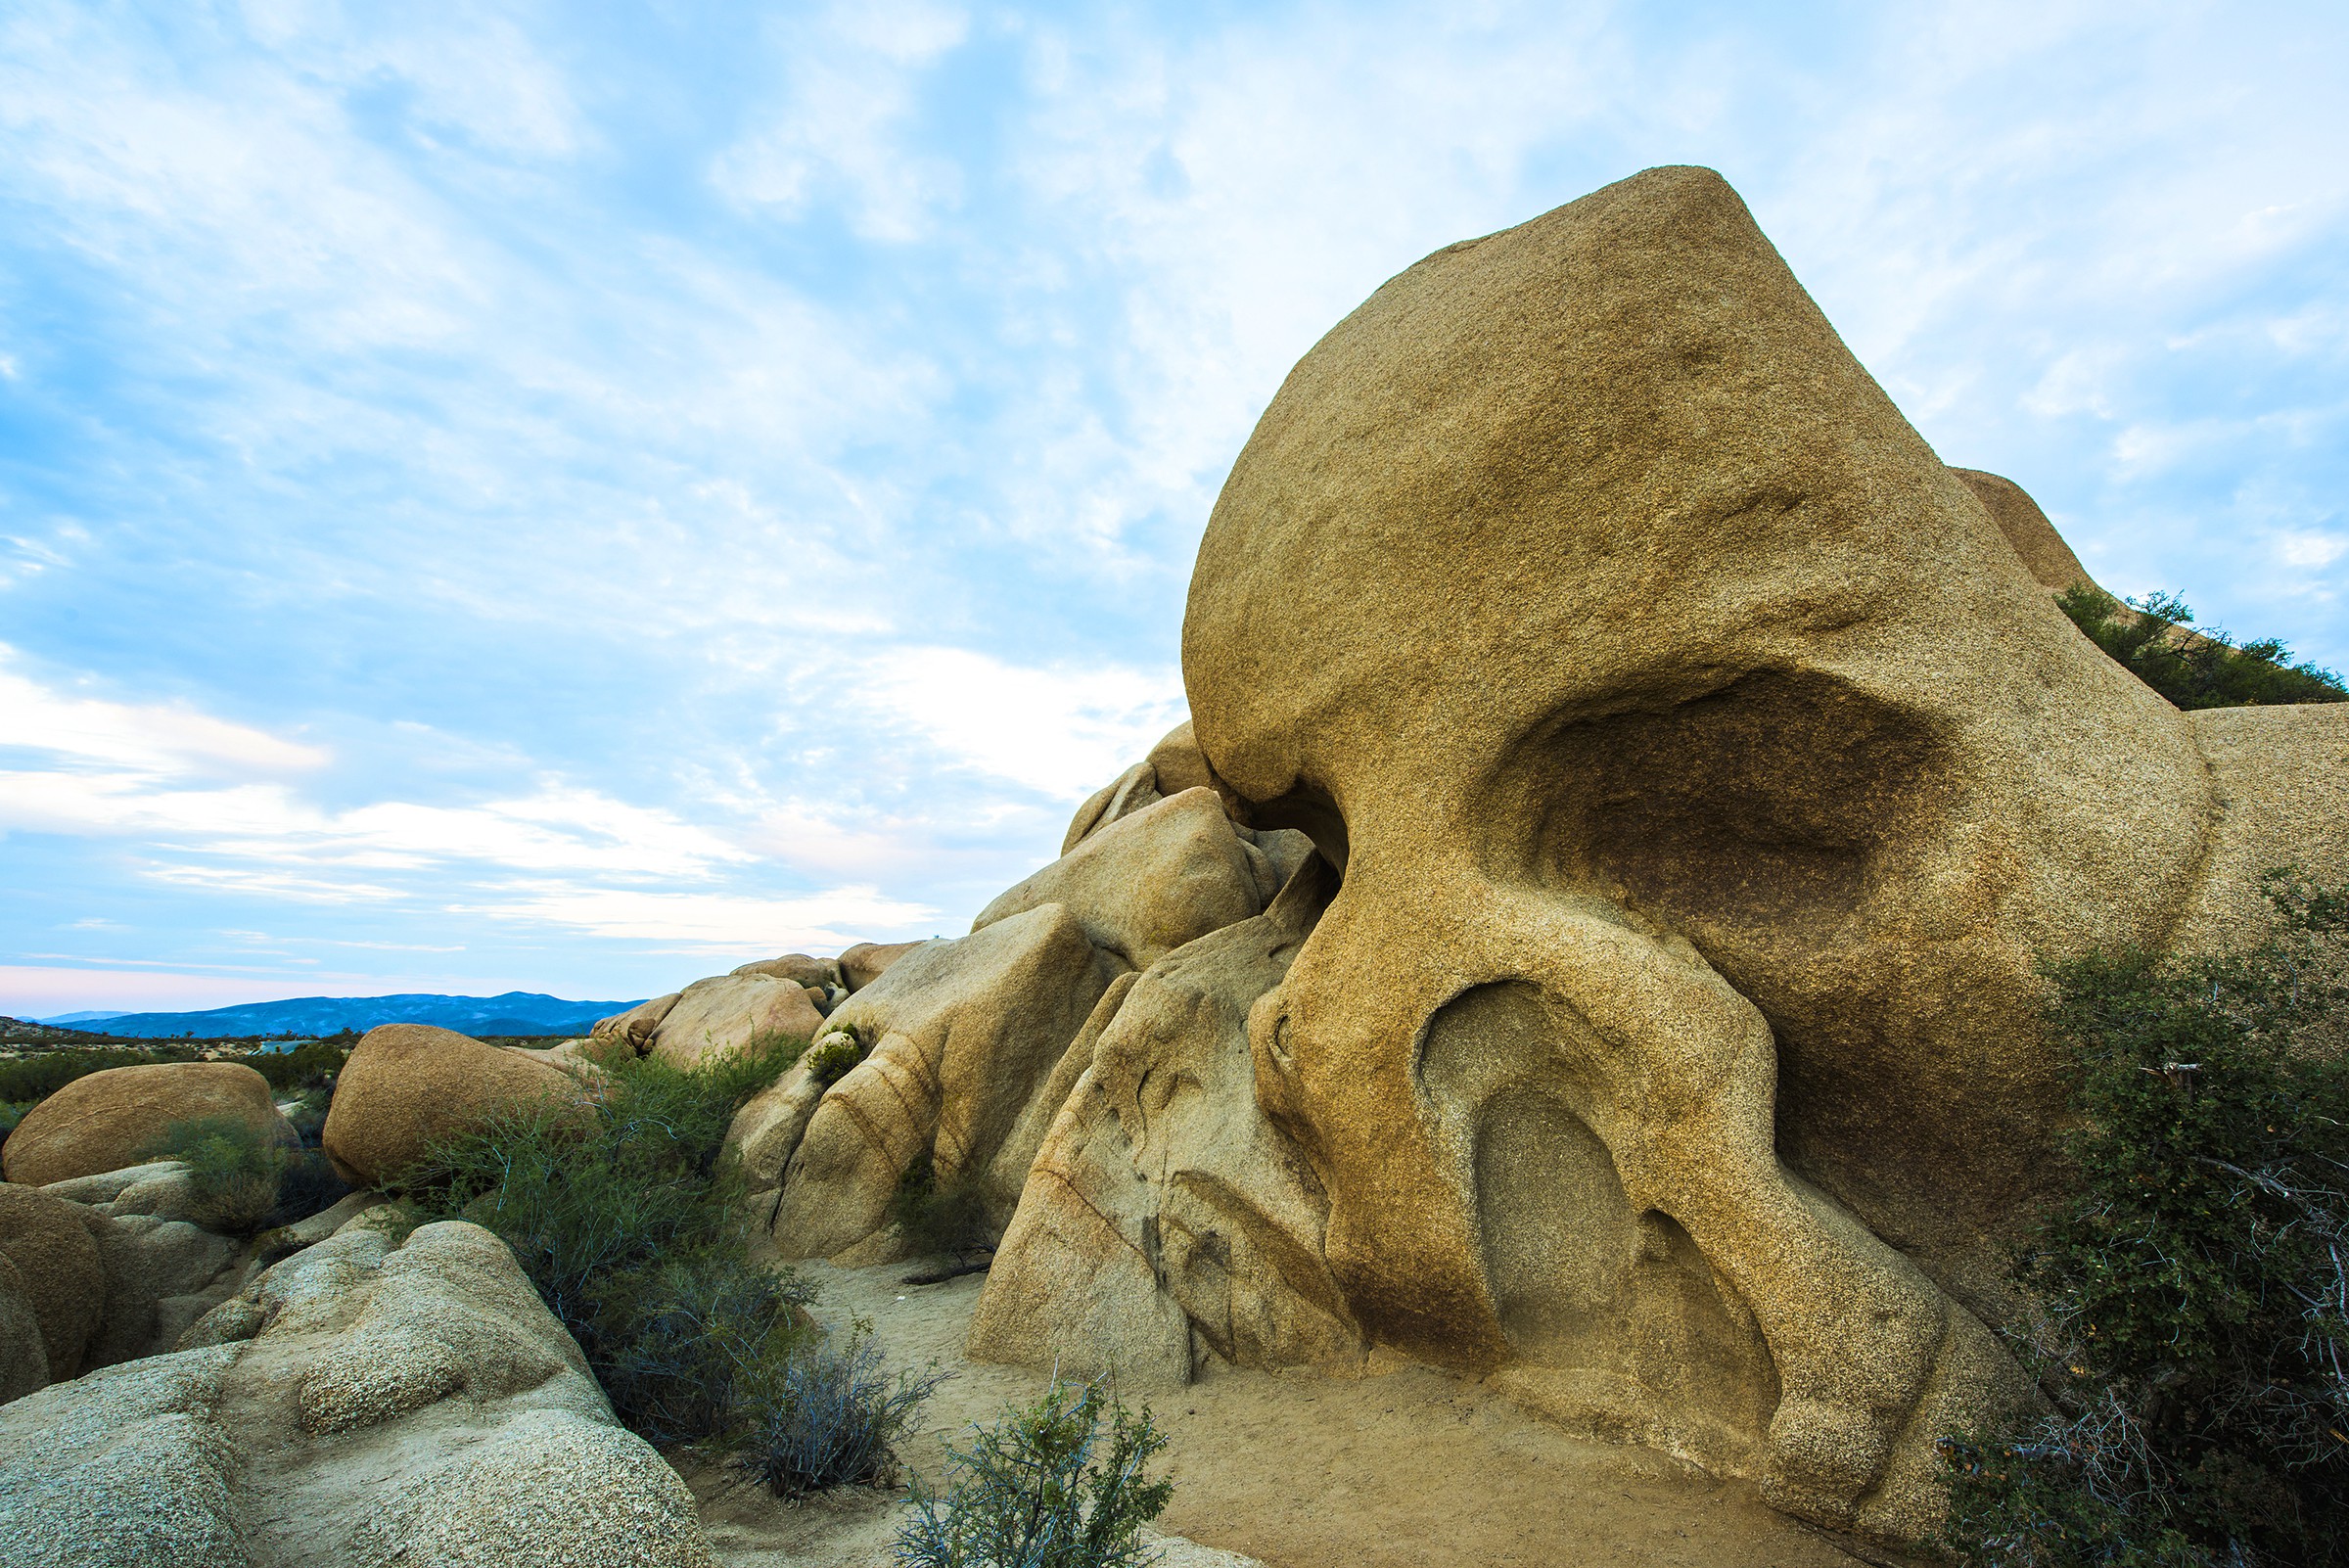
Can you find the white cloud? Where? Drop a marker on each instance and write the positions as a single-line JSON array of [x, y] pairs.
[[1062, 732], [165, 740], [828, 920]]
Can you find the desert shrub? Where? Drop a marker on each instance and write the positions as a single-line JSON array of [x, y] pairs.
[[1060, 1484], [2191, 1303], [632, 1229], [308, 1186], [234, 1168], [825, 1416], [310, 1065], [307, 1116], [938, 1220], [2207, 669], [834, 1055], [36, 1077]]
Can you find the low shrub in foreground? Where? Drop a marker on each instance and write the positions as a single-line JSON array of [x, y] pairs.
[[826, 1416], [1061, 1484], [2191, 1296], [633, 1230]]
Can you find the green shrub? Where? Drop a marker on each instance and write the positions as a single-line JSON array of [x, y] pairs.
[[2204, 670], [2191, 1321], [312, 1064], [825, 1417], [834, 1055], [36, 1077], [1038, 1490], [234, 1168], [632, 1230]]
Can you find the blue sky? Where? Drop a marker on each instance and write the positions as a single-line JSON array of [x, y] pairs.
[[574, 497]]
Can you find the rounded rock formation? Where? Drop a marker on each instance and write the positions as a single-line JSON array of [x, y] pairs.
[[110, 1120], [409, 1086]]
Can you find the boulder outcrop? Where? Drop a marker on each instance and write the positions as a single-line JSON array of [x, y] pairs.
[[112, 1119], [868, 962], [362, 1405], [407, 1086], [959, 1034]]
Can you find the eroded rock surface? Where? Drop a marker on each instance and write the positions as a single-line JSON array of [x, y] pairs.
[[362, 1405]]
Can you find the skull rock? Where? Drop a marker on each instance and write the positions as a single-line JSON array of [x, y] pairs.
[[1708, 775]]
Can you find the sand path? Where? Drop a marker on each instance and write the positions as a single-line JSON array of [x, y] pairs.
[[1415, 1468]]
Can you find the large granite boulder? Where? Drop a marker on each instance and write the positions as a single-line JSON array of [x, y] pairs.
[[361, 1404], [108, 1120], [407, 1086], [868, 962], [1710, 773]]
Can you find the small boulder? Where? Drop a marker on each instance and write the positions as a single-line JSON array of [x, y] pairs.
[[408, 1085], [868, 962], [635, 1026], [110, 1120], [725, 1013], [799, 969], [56, 1263]]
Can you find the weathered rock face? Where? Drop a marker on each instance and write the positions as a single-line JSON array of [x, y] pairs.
[[362, 1405], [637, 1026], [961, 1036], [1164, 1218], [727, 1012], [407, 1086], [110, 1120], [59, 1276], [1709, 772]]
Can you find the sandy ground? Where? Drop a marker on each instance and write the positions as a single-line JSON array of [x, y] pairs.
[[1415, 1468]]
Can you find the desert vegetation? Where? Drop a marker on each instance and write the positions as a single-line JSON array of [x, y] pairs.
[[2190, 1322], [1062, 1483], [2155, 639], [632, 1228]]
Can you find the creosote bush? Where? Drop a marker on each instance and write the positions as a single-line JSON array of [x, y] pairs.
[[2204, 669], [632, 1228], [1061, 1484], [2190, 1297]]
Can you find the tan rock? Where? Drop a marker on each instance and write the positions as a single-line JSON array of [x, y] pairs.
[[963, 1035], [107, 1121], [58, 1272], [367, 1404], [798, 968], [727, 1013], [2050, 561], [868, 961], [407, 1086], [160, 1275], [1174, 764], [765, 1133], [24, 1353], [1710, 776], [636, 1027], [1164, 1218], [1150, 882]]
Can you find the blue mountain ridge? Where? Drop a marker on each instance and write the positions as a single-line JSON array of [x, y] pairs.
[[517, 1012]]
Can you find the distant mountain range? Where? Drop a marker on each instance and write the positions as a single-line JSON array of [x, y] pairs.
[[517, 1012]]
